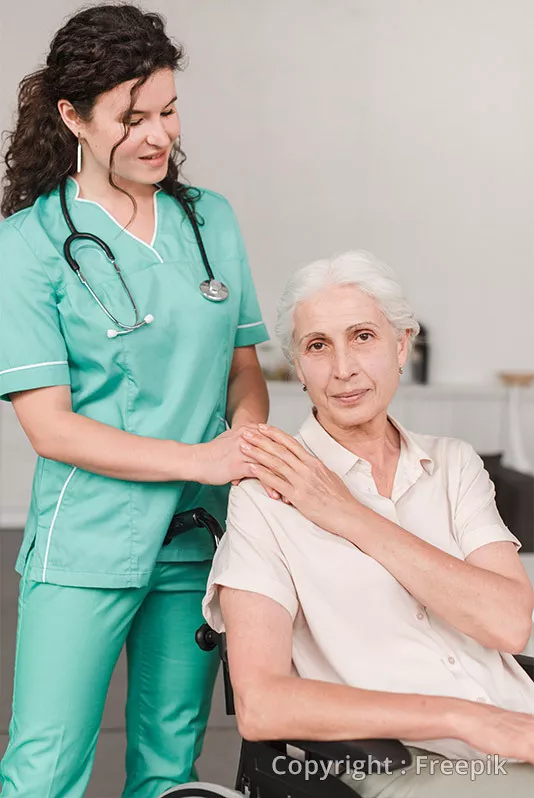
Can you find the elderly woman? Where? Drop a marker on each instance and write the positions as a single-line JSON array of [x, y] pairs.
[[372, 562]]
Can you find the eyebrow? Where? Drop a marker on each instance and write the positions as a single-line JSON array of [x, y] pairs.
[[138, 110], [353, 327]]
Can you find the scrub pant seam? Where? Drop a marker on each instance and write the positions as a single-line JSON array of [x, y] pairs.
[[23, 591], [49, 793], [13, 722], [138, 698]]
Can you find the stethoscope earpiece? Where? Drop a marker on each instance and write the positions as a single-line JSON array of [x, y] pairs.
[[149, 318]]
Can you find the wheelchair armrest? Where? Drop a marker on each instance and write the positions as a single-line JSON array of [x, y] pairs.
[[389, 754], [527, 663]]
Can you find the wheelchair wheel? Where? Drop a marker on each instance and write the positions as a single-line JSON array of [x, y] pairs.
[[201, 789]]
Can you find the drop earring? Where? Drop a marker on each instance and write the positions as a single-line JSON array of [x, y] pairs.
[[79, 156], [304, 388], [401, 370]]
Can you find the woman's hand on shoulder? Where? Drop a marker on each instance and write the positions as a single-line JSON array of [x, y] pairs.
[[283, 465]]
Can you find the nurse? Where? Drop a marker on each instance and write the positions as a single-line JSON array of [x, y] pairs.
[[130, 428]]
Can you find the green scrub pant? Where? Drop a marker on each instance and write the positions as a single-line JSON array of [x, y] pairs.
[[68, 642]]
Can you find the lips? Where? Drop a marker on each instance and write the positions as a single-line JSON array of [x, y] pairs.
[[155, 156], [351, 394]]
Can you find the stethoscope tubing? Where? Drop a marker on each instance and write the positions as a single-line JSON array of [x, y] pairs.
[[211, 288]]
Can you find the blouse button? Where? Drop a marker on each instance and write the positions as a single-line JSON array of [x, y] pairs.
[[452, 661], [420, 616]]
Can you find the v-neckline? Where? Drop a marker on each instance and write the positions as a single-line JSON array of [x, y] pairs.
[[122, 229]]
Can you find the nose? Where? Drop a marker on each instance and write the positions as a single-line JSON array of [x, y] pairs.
[[345, 363], [157, 135]]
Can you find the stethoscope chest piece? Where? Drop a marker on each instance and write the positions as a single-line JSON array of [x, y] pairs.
[[214, 290]]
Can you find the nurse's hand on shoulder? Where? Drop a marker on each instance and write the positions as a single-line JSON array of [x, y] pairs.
[[222, 460]]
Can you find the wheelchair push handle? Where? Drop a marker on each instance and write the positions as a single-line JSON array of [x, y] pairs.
[[194, 519]]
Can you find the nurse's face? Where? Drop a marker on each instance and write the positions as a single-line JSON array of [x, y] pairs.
[[348, 356], [143, 156]]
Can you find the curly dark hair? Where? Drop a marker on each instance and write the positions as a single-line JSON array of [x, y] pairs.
[[97, 49]]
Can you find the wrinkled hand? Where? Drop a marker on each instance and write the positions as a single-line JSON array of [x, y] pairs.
[[499, 731], [300, 478], [240, 423]]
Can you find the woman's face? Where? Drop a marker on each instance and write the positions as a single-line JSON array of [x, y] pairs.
[[143, 156], [347, 354]]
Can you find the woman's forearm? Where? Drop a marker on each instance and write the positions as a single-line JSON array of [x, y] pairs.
[[291, 708], [474, 600], [111, 452]]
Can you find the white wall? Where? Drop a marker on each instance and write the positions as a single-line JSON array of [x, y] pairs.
[[405, 128]]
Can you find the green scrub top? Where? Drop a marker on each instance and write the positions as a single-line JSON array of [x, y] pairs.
[[166, 380]]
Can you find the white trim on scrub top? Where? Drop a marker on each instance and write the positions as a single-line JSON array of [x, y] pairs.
[[77, 198], [56, 511], [35, 366]]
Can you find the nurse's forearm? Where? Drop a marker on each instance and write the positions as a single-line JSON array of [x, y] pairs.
[[248, 399], [111, 452], [57, 433]]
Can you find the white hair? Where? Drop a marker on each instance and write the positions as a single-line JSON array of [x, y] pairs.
[[358, 268]]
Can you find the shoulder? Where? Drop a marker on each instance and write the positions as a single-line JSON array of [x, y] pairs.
[[214, 207], [252, 514], [15, 238], [212, 198], [451, 456], [443, 446], [26, 226], [11, 229], [25, 242], [248, 499]]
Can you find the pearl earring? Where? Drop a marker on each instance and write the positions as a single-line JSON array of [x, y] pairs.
[[79, 156], [401, 370], [304, 388]]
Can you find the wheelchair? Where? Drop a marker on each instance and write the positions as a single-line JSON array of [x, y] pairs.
[[303, 763]]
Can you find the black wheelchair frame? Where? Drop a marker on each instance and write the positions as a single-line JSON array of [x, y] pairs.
[[258, 776]]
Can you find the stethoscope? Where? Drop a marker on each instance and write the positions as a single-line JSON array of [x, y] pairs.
[[211, 288]]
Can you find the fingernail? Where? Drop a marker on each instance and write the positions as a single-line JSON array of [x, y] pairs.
[[263, 426], [245, 447], [248, 434]]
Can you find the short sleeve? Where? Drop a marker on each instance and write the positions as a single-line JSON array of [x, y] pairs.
[[251, 328], [248, 558], [477, 520], [32, 349]]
